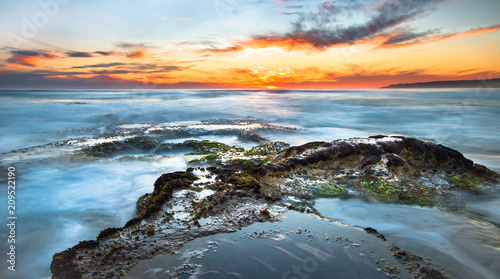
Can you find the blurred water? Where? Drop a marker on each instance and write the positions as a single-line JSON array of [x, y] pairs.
[[60, 205], [465, 245], [462, 119]]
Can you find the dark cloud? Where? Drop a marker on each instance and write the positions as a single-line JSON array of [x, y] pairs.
[[111, 72], [387, 16], [133, 45], [127, 68], [101, 65], [30, 58], [79, 54], [408, 36], [291, 7], [323, 29], [105, 53], [28, 53], [21, 80]]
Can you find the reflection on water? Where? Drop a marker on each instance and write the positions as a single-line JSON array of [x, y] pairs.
[[276, 250]]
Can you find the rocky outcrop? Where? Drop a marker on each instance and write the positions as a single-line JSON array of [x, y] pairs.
[[204, 201], [177, 211], [396, 169]]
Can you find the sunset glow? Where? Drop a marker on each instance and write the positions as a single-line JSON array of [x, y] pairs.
[[230, 44]]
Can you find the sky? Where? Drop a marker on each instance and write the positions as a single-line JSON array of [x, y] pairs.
[[245, 44]]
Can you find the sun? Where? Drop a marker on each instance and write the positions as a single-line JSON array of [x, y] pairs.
[[271, 87]]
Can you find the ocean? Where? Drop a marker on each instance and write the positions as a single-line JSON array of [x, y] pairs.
[[60, 204]]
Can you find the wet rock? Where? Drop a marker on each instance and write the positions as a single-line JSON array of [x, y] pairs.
[[246, 136], [374, 232], [370, 160], [270, 148], [383, 167], [394, 160], [411, 262], [386, 168], [108, 149]]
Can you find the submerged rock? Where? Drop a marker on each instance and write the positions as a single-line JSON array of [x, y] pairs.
[[123, 138], [246, 136]]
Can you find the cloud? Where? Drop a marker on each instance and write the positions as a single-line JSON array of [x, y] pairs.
[[105, 53], [228, 49], [363, 76], [30, 58], [135, 50], [133, 45], [403, 37], [51, 80], [79, 54], [185, 18], [408, 37], [101, 65], [322, 29], [128, 68], [292, 13], [136, 54], [291, 7]]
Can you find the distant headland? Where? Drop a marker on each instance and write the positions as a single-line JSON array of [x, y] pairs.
[[480, 83]]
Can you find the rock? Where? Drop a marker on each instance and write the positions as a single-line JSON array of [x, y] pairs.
[[394, 160], [246, 136], [108, 149], [270, 148], [387, 168], [370, 160]]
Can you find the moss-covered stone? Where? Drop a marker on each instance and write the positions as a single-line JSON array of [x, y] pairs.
[[63, 266], [207, 147], [391, 169], [466, 183], [108, 232], [108, 255], [163, 189], [141, 202], [217, 186], [150, 231], [244, 181], [108, 149], [252, 153], [211, 158], [331, 190]]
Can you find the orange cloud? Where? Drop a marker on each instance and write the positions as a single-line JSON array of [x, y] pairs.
[[136, 54]]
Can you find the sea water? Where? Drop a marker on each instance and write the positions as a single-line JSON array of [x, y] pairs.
[[59, 205]]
